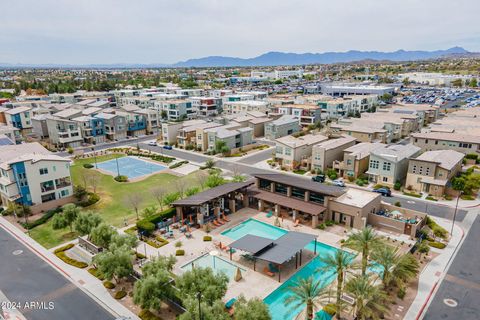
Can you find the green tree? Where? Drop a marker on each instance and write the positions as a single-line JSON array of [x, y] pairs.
[[239, 178], [214, 180], [191, 191], [170, 198], [338, 263], [473, 83], [306, 293], [212, 286], [364, 241], [159, 264], [66, 218], [149, 211], [370, 300], [396, 267], [102, 234], [253, 309], [209, 164], [86, 221], [122, 241], [210, 311], [116, 264], [457, 83], [423, 248]]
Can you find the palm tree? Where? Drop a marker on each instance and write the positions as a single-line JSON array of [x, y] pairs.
[[370, 300], [364, 241], [397, 267], [339, 262], [306, 292]]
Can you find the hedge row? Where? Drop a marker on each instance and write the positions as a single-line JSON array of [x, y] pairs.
[[96, 273], [109, 285], [438, 245], [60, 252], [155, 157], [178, 164], [120, 294], [49, 214], [146, 224], [148, 315]]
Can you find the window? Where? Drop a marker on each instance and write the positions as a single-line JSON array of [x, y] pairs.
[[279, 150], [43, 171], [387, 166], [414, 169], [420, 171], [298, 193], [374, 164], [349, 162], [288, 151], [385, 179], [466, 145], [427, 171]]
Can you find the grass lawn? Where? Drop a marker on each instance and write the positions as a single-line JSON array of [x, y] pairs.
[[113, 206]]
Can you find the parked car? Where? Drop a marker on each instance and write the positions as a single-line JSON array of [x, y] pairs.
[[384, 192], [319, 178], [167, 147], [152, 143], [338, 183]]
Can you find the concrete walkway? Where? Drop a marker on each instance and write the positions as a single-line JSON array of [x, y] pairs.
[[79, 277]]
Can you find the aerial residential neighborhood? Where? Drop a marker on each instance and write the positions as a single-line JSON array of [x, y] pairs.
[[173, 161]]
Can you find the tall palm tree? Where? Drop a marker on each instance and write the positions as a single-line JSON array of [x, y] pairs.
[[396, 267], [364, 241], [370, 300], [306, 292], [339, 262]]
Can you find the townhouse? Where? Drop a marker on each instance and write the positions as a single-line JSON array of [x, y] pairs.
[[389, 164], [92, 129], [307, 114], [136, 124], [115, 126], [355, 159], [296, 152], [152, 119], [175, 109], [326, 152], [361, 133], [207, 106], [193, 136], [170, 129], [63, 132], [20, 118], [12, 133], [238, 107], [432, 171], [234, 139], [31, 175], [283, 126], [463, 143]]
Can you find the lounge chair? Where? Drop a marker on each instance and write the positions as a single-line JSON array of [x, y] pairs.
[[272, 268], [188, 235], [269, 214], [225, 218], [230, 303], [216, 223], [267, 272], [297, 222], [219, 222]]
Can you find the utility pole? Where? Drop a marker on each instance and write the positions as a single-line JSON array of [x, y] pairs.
[[455, 213]]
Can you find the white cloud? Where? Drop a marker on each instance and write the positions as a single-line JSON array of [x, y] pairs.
[[153, 31]]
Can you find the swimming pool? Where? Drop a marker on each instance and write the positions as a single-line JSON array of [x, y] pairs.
[[275, 300], [216, 263], [130, 166]]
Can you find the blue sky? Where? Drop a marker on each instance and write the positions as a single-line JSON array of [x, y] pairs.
[[160, 31]]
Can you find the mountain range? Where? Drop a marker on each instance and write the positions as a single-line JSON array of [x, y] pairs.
[[276, 58]]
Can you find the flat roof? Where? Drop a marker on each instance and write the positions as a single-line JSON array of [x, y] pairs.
[[251, 243], [302, 183], [210, 194], [289, 202]]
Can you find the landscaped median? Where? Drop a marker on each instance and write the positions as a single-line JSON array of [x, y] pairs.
[[61, 253]]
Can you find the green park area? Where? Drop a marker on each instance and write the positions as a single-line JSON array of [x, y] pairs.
[[115, 204]]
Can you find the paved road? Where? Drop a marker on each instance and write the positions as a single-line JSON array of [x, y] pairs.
[[462, 283], [258, 156], [27, 278]]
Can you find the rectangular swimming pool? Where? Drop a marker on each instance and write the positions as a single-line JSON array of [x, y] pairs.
[[131, 167], [218, 264]]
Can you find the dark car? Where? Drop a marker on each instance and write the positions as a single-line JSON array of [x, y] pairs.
[[320, 178], [384, 192], [167, 147]]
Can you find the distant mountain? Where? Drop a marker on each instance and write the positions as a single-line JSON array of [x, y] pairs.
[[281, 58], [270, 59]]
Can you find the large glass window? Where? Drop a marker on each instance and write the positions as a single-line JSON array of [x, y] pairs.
[[265, 184], [317, 197], [298, 193], [280, 188]]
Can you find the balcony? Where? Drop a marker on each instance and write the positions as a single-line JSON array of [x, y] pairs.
[[339, 165]]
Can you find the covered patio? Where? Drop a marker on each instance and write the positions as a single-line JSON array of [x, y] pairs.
[[276, 252]]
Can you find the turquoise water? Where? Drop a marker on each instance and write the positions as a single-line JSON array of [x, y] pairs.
[[130, 167], [216, 263], [275, 300]]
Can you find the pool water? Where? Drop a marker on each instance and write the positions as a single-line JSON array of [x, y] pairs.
[[216, 263], [130, 166], [275, 300]]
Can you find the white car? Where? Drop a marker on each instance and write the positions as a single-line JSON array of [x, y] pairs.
[[338, 183], [152, 143]]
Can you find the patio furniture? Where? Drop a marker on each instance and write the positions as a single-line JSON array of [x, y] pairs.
[[188, 235], [225, 218], [267, 272], [272, 267], [269, 214], [230, 303], [297, 222]]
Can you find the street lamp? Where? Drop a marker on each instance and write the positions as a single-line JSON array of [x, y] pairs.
[[199, 296], [95, 157], [455, 213]]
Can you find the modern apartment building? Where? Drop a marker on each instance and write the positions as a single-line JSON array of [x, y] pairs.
[[432, 171], [306, 114], [11, 133], [115, 126], [20, 118], [283, 126], [293, 153], [238, 107], [176, 109], [234, 139], [361, 133], [389, 164], [31, 175], [463, 143], [64, 133], [152, 119], [326, 152], [206, 106], [92, 129], [355, 159]]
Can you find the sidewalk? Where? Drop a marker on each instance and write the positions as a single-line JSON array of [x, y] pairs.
[[80, 277], [433, 272]]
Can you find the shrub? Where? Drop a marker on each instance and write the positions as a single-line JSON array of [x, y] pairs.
[[467, 197], [140, 255], [46, 216], [207, 238], [431, 198], [92, 198], [329, 223], [397, 204], [146, 226], [64, 248], [131, 231], [147, 315], [412, 194], [156, 218], [180, 252], [472, 156], [438, 231], [96, 273], [378, 186], [322, 226], [120, 294], [60, 253], [88, 165], [299, 171], [447, 197], [332, 174], [330, 309], [401, 292], [121, 178], [438, 245], [397, 185], [109, 285], [178, 164]]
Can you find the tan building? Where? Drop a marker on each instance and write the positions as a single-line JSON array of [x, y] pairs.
[[432, 171], [356, 159], [446, 140], [292, 152], [326, 152], [361, 134]]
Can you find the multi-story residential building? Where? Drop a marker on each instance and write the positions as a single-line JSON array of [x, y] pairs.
[[190, 92], [206, 106], [140, 101], [11, 133], [306, 114], [326, 152], [136, 123], [64, 133], [340, 90], [115, 126], [356, 159], [20, 118], [152, 119], [283, 126], [238, 97], [362, 134], [292, 152], [170, 129], [389, 164], [258, 125], [278, 74], [234, 139], [92, 129], [176, 109], [39, 125], [431, 171], [429, 141], [33, 176], [193, 136], [238, 107]]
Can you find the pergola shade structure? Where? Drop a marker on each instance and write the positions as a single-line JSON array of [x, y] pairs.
[[277, 251]]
